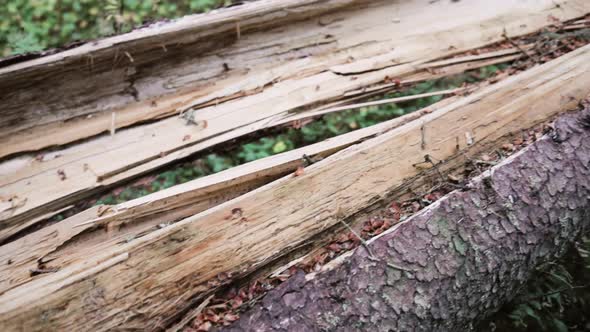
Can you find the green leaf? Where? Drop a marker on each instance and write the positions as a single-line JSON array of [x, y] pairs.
[[279, 147], [24, 43], [560, 326]]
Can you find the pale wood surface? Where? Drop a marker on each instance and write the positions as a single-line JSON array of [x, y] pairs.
[[31, 186], [84, 234], [78, 88], [147, 280]]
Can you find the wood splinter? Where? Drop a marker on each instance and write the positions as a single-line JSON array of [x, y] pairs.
[[38, 271], [113, 123]]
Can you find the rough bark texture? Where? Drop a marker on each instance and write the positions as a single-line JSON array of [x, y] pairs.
[[457, 261]]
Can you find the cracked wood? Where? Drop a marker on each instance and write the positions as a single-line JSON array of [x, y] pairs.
[[458, 260], [37, 185], [160, 274]]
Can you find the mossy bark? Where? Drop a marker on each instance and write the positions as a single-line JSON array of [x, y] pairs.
[[457, 261]]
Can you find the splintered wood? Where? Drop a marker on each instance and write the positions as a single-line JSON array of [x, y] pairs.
[[115, 109], [84, 234], [145, 281], [267, 77]]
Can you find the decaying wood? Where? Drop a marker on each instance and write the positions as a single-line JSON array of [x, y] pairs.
[[177, 65], [46, 100], [84, 234], [458, 260], [450, 67], [101, 227], [280, 79], [374, 103], [31, 163], [40, 184], [149, 279]]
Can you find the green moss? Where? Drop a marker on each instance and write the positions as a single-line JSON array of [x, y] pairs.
[[460, 245], [443, 228]]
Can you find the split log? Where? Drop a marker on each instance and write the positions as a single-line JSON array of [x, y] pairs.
[[103, 226], [32, 186], [143, 283], [136, 68], [457, 261], [13, 172], [155, 71]]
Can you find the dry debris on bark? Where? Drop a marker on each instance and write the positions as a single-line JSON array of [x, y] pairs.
[[549, 44], [226, 307], [457, 261]]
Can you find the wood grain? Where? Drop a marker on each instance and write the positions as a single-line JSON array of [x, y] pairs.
[[31, 185], [144, 282]]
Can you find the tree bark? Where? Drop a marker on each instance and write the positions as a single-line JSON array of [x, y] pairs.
[[457, 261]]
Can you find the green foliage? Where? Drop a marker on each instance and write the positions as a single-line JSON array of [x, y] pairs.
[[23, 43], [282, 140], [543, 301], [555, 299], [52, 23]]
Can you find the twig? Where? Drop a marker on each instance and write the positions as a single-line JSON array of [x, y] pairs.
[[192, 314], [129, 56], [513, 43], [553, 292], [363, 242], [472, 162], [372, 103], [38, 271], [428, 160], [483, 162], [252, 302]]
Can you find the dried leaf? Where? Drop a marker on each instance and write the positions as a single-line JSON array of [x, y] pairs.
[[334, 247], [231, 317], [299, 171], [206, 326], [236, 302], [508, 147]]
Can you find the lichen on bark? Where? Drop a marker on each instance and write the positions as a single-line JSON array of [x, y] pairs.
[[457, 261]]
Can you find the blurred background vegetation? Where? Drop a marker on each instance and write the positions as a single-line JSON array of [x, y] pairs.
[[34, 25], [556, 299], [287, 138]]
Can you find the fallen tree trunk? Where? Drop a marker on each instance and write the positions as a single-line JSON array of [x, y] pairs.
[[137, 67], [13, 225], [100, 227], [146, 281], [455, 262], [275, 89], [156, 71]]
